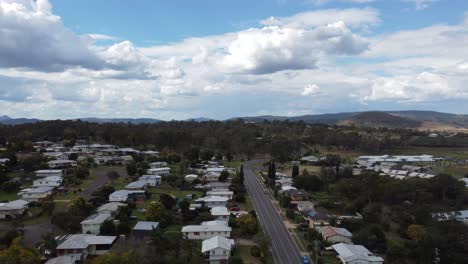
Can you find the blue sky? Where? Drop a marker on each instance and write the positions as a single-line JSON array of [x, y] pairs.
[[221, 59]]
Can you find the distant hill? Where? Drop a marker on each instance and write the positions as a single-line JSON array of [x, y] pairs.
[[381, 119], [422, 120], [16, 121], [120, 120]]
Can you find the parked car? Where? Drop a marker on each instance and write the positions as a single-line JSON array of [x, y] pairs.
[[235, 209], [305, 260]]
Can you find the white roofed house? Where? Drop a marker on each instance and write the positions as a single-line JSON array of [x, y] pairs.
[[213, 201], [80, 246], [207, 230], [52, 181], [47, 173], [127, 196], [220, 213], [151, 180], [110, 208], [355, 254], [92, 224], [136, 185], [53, 164], [4, 161], [36, 194], [158, 164], [13, 209], [211, 176], [191, 177], [165, 171], [217, 186], [223, 193], [217, 249]]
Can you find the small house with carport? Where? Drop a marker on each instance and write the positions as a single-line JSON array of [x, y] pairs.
[[36, 194], [144, 228], [52, 181], [211, 177], [220, 213], [355, 254], [164, 171], [317, 218], [151, 180], [223, 193], [62, 163], [111, 208], [136, 185], [212, 201], [80, 246], [92, 224], [48, 173], [335, 234], [13, 209]]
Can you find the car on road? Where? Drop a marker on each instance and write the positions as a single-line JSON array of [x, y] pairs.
[[266, 192], [305, 260]]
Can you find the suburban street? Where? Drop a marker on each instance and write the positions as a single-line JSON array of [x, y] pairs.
[[282, 246]]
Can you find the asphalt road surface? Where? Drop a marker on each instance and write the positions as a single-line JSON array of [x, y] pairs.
[[282, 246]]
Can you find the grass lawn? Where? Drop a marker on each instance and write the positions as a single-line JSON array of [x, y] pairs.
[[4, 196], [458, 171], [244, 253], [233, 164], [36, 217], [329, 258], [119, 183], [168, 189], [247, 206]]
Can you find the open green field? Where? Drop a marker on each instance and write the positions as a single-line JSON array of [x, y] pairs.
[[458, 170], [4, 196], [244, 253]]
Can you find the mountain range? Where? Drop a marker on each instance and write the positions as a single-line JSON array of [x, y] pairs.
[[391, 119]]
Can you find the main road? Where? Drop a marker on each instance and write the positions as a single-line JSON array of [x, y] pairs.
[[282, 246]]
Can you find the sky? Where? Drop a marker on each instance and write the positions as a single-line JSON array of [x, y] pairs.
[[183, 59]]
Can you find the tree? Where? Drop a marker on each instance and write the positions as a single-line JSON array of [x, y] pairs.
[[416, 232], [255, 251], [81, 172], [131, 168], [371, 237], [155, 211], [115, 258], [167, 200], [285, 201], [107, 228], [113, 175], [247, 224], [223, 176], [17, 254], [48, 207], [241, 174], [295, 171], [49, 243], [78, 207]]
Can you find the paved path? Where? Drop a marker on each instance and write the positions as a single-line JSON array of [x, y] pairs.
[[282, 246], [101, 180]]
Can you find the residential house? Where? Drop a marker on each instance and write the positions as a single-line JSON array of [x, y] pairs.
[[53, 164], [13, 209], [211, 177], [309, 160], [355, 254], [127, 196], [335, 234], [223, 193], [55, 155], [218, 249], [296, 195], [36, 194], [215, 169], [136, 185], [151, 153], [461, 216], [144, 228], [92, 224], [80, 246], [317, 218], [220, 213], [304, 207], [151, 180], [191, 177], [158, 164], [47, 173], [165, 171], [207, 230], [212, 201], [212, 186], [4, 161], [110, 208], [52, 181]]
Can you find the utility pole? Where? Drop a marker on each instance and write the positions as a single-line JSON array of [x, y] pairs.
[[316, 248]]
